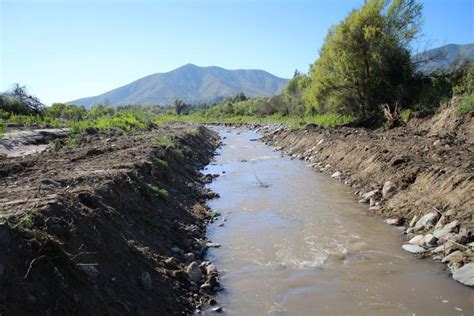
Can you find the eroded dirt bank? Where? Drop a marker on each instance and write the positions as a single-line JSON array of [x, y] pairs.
[[108, 227], [419, 177]]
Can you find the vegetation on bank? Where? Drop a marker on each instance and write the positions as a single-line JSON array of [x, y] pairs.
[[365, 75]]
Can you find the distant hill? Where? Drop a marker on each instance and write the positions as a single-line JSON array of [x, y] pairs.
[[192, 84], [445, 57]]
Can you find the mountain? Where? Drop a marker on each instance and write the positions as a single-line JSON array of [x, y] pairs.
[[446, 57], [191, 84]]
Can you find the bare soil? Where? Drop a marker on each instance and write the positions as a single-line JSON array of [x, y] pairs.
[[90, 230], [430, 161]]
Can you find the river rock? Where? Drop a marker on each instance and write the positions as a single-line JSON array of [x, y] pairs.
[[448, 228], [417, 240], [441, 222], [443, 239], [428, 220], [212, 245], [413, 221], [176, 250], [413, 248], [429, 240], [452, 256], [465, 274], [371, 194], [194, 272], [211, 269], [389, 189], [392, 221], [336, 175], [189, 256], [145, 280]]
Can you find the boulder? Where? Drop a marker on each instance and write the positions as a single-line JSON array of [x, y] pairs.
[[417, 240], [429, 240], [428, 220], [465, 274], [336, 175], [194, 272], [446, 229], [389, 189], [452, 256], [413, 248]]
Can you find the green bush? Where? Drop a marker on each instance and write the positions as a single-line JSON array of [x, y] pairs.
[[466, 104]]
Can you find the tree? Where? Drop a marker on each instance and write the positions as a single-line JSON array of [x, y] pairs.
[[365, 61], [18, 101], [180, 107]]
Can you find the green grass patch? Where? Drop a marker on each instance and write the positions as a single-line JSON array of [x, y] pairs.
[[466, 104], [27, 221], [161, 192], [162, 162], [3, 126], [406, 114], [165, 141]]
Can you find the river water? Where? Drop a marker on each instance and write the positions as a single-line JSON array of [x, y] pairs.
[[295, 242]]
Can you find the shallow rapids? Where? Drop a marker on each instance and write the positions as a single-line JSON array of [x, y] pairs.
[[297, 243]]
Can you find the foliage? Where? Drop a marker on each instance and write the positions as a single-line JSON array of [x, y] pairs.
[[365, 62], [2, 127], [161, 192], [466, 104], [18, 101], [66, 111]]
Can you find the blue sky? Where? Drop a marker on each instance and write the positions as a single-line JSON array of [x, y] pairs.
[[64, 50]]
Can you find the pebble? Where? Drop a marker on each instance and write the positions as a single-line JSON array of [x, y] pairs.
[[217, 309], [211, 269], [392, 221], [212, 245], [429, 240], [413, 248], [465, 274], [451, 256], [336, 175]]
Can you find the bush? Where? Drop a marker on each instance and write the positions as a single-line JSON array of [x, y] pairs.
[[466, 104]]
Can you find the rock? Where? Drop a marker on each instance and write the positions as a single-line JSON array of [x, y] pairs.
[[176, 250], [336, 175], [448, 228], [410, 230], [417, 240], [194, 272], [212, 245], [463, 236], [413, 248], [212, 302], [428, 220], [392, 221], [429, 240], [442, 248], [90, 270], [445, 238], [441, 222], [451, 256], [171, 261], [145, 280], [217, 309], [211, 269], [189, 256], [450, 212], [465, 274], [389, 188], [367, 196], [363, 201], [213, 281], [413, 221]]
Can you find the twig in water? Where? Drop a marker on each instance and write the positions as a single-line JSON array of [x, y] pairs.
[[262, 184]]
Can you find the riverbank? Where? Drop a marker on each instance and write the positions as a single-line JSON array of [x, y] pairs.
[[419, 177], [113, 223]]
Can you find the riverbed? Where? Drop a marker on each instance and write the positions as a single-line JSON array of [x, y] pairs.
[[295, 242]]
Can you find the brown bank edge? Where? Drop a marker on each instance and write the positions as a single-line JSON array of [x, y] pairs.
[[419, 177], [113, 226]]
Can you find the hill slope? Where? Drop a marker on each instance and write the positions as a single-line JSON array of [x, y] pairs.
[[190, 83], [446, 57]]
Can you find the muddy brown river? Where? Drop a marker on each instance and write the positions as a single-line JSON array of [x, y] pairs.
[[295, 242]]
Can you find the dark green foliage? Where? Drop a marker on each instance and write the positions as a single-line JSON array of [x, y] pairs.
[[18, 101]]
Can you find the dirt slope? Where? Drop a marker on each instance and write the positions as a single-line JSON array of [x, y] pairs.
[[430, 165], [101, 229]]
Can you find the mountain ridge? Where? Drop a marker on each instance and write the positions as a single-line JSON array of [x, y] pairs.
[[192, 84]]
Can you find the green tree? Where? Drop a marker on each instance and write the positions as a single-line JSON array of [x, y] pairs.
[[365, 61]]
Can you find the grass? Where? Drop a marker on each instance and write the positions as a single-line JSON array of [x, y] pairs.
[[164, 141], [161, 162], [27, 221], [406, 115], [34, 120], [2, 127], [161, 192], [466, 104]]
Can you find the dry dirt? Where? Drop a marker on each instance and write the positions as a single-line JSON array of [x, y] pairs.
[[430, 161], [87, 231]]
